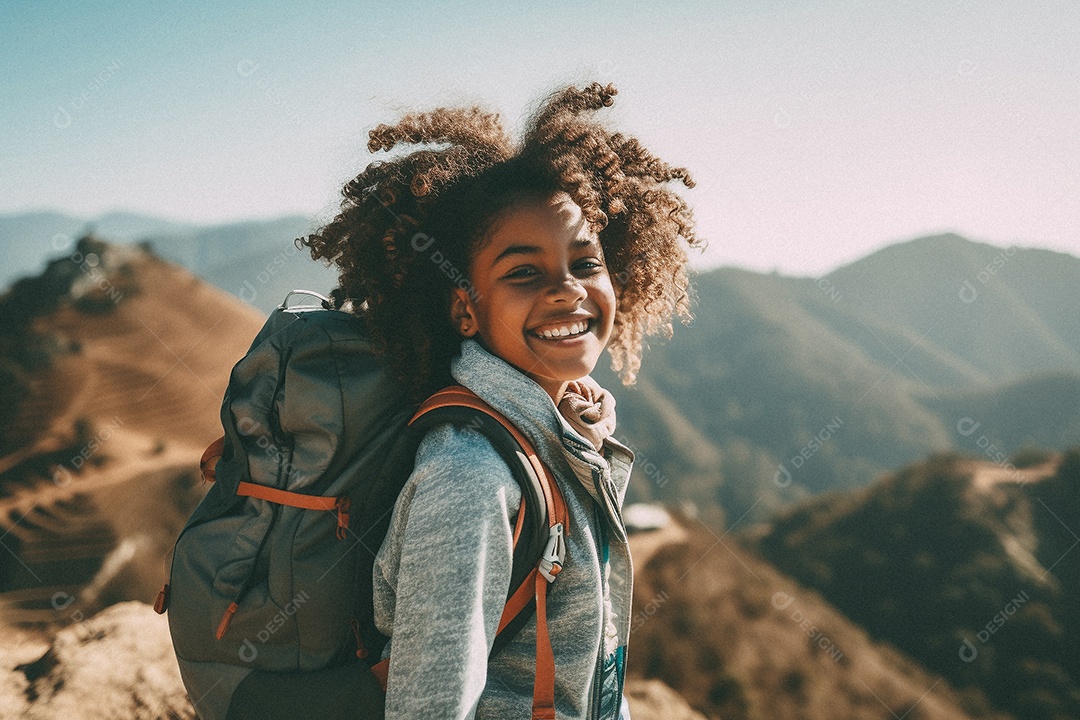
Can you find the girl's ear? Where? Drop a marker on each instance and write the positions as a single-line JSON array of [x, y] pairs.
[[462, 313]]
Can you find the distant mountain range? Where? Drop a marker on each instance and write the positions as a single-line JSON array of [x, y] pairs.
[[255, 260], [799, 385], [112, 370], [783, 386]]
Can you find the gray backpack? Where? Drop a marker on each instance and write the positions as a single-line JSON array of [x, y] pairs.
[[270, 590]]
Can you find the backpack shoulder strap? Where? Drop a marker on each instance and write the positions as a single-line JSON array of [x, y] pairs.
[[543, 506], [460, 396]]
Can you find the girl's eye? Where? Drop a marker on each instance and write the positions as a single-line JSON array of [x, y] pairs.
[[522, 272], [526, 272]]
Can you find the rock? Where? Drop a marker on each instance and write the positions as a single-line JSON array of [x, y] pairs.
[[642, 517], [653, 700], [120, 664], [117, 664]]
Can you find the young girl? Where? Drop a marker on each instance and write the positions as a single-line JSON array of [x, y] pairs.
[[509, 269]]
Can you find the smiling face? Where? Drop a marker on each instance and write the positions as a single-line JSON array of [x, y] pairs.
[[541, 297]]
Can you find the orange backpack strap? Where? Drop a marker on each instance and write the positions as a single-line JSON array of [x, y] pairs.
[[458, 395], [214, 452], [381, 671], [209, 459], [302, 501], [535, 585]]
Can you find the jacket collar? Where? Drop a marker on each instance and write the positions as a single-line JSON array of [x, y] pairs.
[[522, 401]]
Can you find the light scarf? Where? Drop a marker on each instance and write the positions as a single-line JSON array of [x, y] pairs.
[[590, 409]]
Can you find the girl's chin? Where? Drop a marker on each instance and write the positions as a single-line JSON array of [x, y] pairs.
[[559, 373], [552, 363], [586, 345]]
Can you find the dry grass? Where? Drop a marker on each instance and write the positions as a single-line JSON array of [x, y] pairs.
[[740, 641], [114, 428]]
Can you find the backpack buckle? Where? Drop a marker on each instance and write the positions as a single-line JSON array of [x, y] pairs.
[[550, 564], [342, 505]]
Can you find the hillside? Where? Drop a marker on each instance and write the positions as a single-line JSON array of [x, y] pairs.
[[1003, 312], [783, 387], [114, 363], [740, 641], [799, 386], [119, 360], [1040, 411], [255, 261], [968, 566]]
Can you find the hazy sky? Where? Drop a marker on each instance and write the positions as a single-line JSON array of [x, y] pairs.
[[817, 131]]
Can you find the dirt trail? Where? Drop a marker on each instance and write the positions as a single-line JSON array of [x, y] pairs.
[[643, 545], [986, 476], [144, 380]]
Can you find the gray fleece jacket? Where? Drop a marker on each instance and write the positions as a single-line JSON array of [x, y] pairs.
[[442, 574]]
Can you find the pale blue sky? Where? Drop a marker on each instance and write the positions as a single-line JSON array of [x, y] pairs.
[[817, 131]]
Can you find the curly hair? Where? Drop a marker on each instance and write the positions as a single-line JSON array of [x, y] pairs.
[[409, 226]]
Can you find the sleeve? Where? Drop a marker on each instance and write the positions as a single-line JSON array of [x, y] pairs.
[[455, 555]]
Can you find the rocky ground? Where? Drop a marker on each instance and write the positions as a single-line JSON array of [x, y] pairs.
[[119, 665]]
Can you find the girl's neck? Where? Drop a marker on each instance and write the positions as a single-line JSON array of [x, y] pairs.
[[554, 389]]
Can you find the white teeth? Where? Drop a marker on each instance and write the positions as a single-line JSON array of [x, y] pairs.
[[573, 329]]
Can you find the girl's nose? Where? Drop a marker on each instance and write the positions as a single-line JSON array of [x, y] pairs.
[[569, 288]]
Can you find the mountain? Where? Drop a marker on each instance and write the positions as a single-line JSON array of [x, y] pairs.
[[741, 641], [968, 566], [114, 363], [112, 371], [115, 367], [799, 386], [254, 260], [994, 314], [29, 240], [991, 421], [782, 387]]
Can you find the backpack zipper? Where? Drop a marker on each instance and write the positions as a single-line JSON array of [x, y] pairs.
[[161, 604], [230, 611]]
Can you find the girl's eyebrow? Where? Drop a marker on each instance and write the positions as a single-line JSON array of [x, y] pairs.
[[518, 250], [533, 249]]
